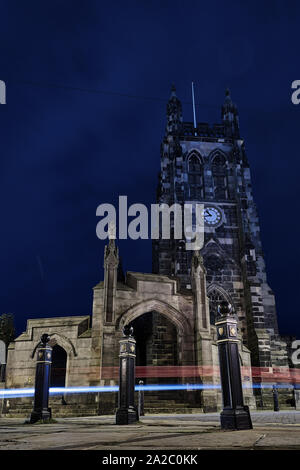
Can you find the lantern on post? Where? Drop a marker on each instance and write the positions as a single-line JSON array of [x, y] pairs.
[[41, 411], [235, 414], [127, 412]]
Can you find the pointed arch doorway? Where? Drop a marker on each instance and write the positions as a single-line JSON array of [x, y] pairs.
[[163, 334], [59, 367], [165, 345], [156, 340]]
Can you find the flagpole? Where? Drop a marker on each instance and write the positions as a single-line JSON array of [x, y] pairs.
[[194, 109]]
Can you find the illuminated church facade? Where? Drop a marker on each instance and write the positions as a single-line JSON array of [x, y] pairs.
[[173, 309]]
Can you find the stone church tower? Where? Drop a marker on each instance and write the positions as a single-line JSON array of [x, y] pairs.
[[172, 309], [209, 165]]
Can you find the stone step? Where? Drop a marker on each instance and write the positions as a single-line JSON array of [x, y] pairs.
[[19, 410], [160, 400], [58, 415], [164, 405], [173, 411], [76, 408], [166, 402], [55, 413], [173, 397], [55, 408]]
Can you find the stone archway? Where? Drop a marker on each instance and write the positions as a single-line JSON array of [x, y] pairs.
[[167, 349], [64, 343], [58, 367], [67, 345], [156, 340], [181, 322], [143, 332]]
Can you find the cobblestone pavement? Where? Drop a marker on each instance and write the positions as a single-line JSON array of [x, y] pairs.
[[154, 432]]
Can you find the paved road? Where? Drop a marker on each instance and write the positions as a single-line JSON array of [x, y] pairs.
[[258, 417], [271, 431]]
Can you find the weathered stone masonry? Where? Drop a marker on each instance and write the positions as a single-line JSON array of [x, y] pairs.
[[178, 300], [209, 165]]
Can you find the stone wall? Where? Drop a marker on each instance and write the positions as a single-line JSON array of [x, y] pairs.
[[71, 333]]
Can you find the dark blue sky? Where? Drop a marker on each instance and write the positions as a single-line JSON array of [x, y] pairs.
[[66, 149]]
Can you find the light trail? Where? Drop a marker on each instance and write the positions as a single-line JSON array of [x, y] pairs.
[[264, 374], [29, 392]]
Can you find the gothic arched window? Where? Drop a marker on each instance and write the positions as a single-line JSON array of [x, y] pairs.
[[215, 296], [195, 178], [219, 174]]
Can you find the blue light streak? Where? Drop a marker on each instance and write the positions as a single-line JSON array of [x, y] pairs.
[[29, 392]]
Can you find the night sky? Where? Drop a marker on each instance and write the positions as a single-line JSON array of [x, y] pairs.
[[87, 86]]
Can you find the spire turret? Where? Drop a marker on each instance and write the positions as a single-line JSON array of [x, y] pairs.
[[111, 262], [230, 117], [174, 113]]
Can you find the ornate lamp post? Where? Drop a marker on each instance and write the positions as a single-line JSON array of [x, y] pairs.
[[235, 414], [41, 411], [126, 412]]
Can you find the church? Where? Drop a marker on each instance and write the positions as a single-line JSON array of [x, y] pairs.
[[173, 309]]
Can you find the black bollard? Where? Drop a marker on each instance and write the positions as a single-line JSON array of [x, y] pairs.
[[41, 411], [127, 412], [141, 400], [275, 398], [235, 414]]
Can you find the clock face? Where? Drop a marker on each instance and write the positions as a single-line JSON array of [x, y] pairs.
[[212, 216]]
